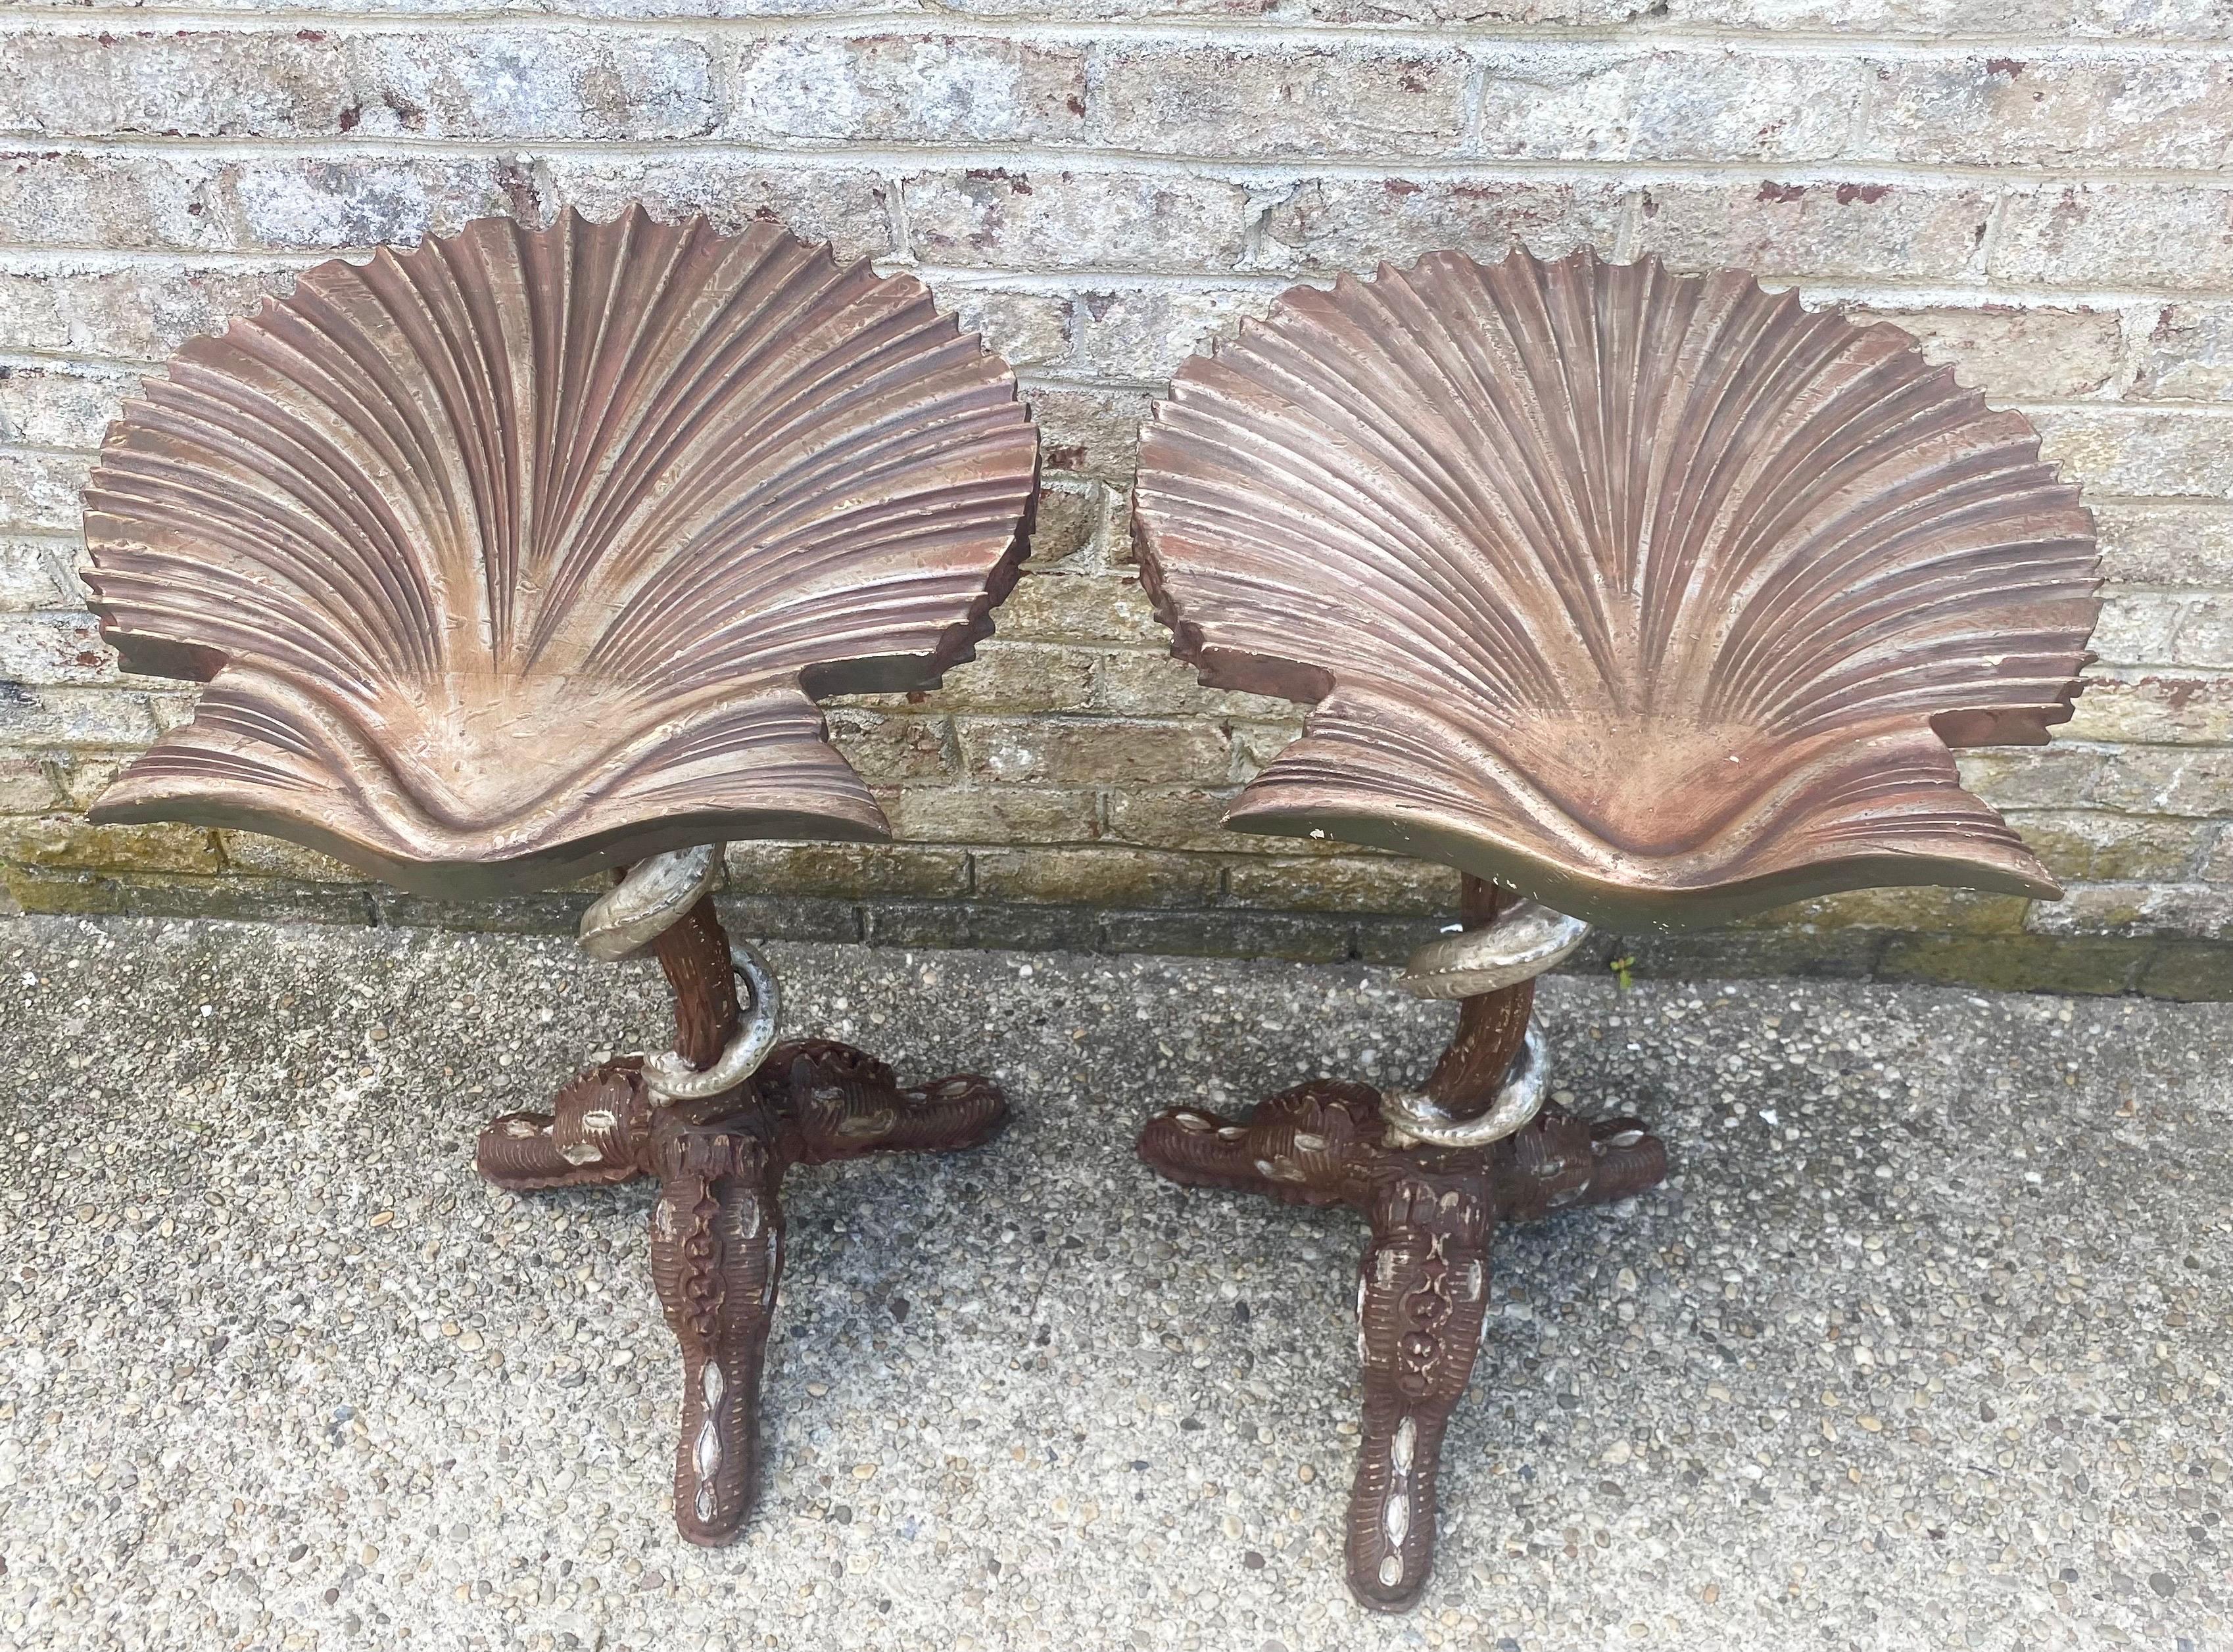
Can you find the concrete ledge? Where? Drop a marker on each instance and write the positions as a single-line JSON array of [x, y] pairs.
[[2171, 967]]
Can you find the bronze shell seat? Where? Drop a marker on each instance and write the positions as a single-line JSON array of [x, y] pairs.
[[1656, 598], [522, 554]]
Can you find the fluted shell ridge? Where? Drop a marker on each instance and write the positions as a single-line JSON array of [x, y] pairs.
[[1659, 596], [524, 551]]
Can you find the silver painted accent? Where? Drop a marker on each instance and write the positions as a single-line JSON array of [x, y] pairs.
[[670, 1078], [712, 1384], [1396, 1517], [706, 1501], [1399, 1448], [1519, 944], [580, 1153], [706, 1459], [1391, 1570], [647, 902], [654, 897], [1413, 1115]]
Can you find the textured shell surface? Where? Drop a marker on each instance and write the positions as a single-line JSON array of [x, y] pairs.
[[1660, 597], [524, 552]]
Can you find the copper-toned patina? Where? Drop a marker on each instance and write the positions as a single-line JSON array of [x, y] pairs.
[[1658, 597], [523, 555]]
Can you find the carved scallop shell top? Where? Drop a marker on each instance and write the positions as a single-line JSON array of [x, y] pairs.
[[1659, 596], [521, 553]]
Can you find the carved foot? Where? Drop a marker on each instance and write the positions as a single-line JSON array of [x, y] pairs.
[[716, 1257], [1559, 1161], [1423, 1290], [839, 1103], [596, 1136], [1305, 1146], [717, 1228], [1422, 1302]]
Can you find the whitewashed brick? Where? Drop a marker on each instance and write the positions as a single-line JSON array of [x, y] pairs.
[[1277, 100], [35, 573], [1854, 231], [2173, 236], [39, 491], [2030, 777], [2052, 109], [2187, 354], [845, 205], [1323, 225], [63, 718], [2135, 910], [135, 313], [2136, 628], [1061, 219], [1599, 103], [2141, 450], [61, 405], [2205, 638], [907, 89], [326, 205], [1025, 329], [1490, 12], [497, 82], [1091, 11], [478, 10], [62, 647], [2163, 707], [2166, 542], [132, 203], [501, 82], [2167, 780], [1090, 429], [131, 219], [2014, 353], [1147, 332], [189, 82], [2048, 20]]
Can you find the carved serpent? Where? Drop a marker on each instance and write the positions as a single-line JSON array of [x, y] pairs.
[[1517, 945]]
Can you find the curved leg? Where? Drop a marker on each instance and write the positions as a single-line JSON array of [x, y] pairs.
[[1304, 1145], [596, 1136], [716, 1256], [839, 1103], [1559, 1161], [1421, 1304]]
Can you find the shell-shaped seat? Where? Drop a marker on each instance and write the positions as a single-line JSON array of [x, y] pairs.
[[524, 552], [1659, 596]]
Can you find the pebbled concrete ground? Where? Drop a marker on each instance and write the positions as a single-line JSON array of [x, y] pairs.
[[1921, 1345]]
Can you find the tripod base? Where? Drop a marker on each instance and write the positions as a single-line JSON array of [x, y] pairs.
[[1422, 1288], [717, 1230]]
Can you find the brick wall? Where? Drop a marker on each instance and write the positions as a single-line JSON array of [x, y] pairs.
[[2037, 190]]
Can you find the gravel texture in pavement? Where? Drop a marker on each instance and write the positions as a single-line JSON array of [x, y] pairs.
[[1920, 1346]]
